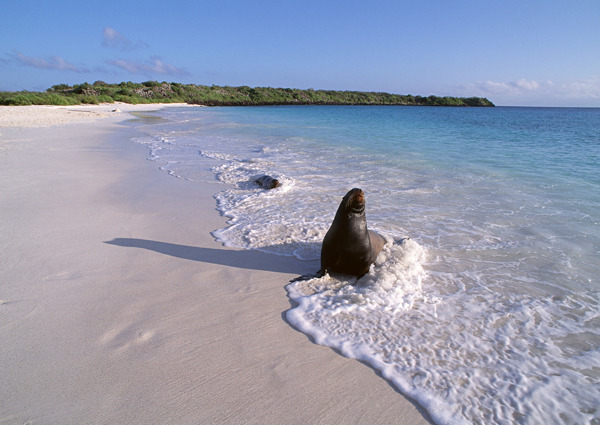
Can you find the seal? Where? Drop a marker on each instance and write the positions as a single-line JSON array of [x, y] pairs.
[[348, 246], [267, 182]]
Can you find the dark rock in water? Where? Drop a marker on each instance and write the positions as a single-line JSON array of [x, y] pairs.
[[267, 182]]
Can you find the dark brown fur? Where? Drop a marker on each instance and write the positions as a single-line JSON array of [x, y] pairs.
[[349, 247]]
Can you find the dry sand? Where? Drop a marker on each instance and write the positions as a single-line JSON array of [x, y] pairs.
[[117, 306]]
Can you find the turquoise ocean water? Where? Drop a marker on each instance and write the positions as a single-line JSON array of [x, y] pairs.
[[490, 312]]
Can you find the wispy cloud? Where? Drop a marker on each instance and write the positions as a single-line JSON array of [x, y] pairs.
[[588, 88], [154, 66], [52, 62], [115, 40], [511, 87]]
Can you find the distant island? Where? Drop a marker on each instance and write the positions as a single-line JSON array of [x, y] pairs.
[[156, 92]]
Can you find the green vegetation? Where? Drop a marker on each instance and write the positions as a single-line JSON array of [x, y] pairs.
[[155, 92]]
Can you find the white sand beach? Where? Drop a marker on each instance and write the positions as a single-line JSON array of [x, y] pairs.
[[118, 306]]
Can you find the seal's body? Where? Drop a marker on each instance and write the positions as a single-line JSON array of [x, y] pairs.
[[349, 247], [267, 182]]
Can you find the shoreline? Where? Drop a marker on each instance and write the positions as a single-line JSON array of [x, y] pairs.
[[119, 306]]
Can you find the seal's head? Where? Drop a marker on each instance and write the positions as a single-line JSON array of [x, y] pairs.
[[354, 201]]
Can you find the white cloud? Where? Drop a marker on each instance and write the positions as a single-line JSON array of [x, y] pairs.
[[493, 87], [521, 86], [53, 62], [154, 66], [115, 40], [527, 85], [161, 67], [585, 92], [587, 88]]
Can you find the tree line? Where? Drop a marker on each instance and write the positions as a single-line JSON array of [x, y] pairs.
[[163, 92]]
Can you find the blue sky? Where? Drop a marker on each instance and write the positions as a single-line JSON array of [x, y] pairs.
[[527, 52]]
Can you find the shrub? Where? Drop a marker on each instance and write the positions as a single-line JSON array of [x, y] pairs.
[[19, 100], [90, 100], [104, 98], [55, 99], [59, 87]]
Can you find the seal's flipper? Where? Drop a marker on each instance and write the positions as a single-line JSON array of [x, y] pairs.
[[377, 243], [309, 276]]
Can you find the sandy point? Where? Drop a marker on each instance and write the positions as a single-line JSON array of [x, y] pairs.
[[48, 115]]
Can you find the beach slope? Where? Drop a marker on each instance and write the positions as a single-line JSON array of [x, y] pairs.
[[117, 305]]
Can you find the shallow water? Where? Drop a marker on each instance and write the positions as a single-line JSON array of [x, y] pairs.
[[489, 312]]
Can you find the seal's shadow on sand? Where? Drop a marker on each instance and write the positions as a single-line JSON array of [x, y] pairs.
[[244, 259]]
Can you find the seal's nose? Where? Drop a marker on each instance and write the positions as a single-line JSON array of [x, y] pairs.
[[357, 197]]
